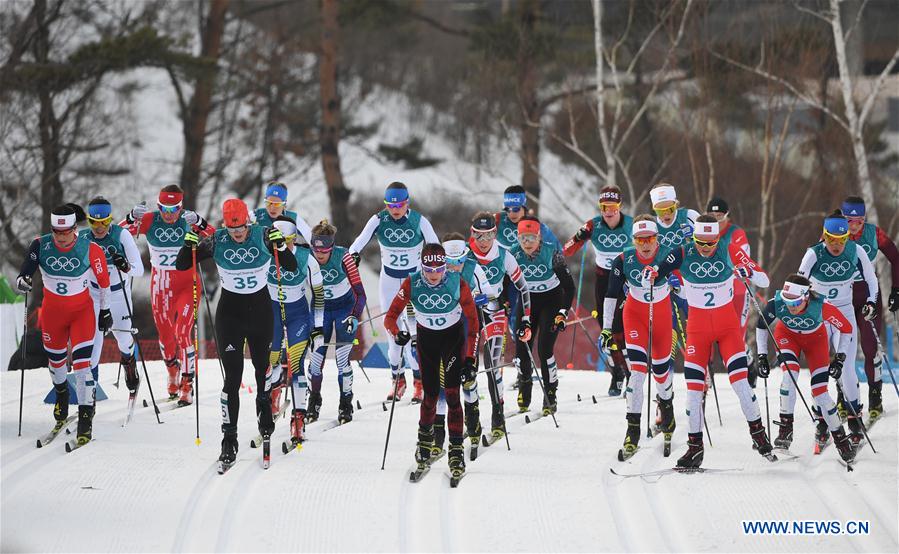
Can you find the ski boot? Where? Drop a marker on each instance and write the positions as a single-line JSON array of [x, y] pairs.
[[822, 435], [497, 422], [524, 393], [313, 408], [61, 408], [785, 434], [85, 424], [549, 400], [760, 439], [297, 426], [186, 397], [132, 378], [264, 416], [417, 392], [345, 409], [667, 425], [228, 456], [398, 385], [456, 460], [841, 406], [425, 446], [875, 401], [473, 420], [631, 438], [692, 458], [855, 430], [439, 435], [844, 445], [173, 367]]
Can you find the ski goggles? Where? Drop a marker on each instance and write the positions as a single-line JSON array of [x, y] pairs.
[[483, 235], [434, 269], [856, 219], [513, 209], [643, 241], [456, 261], [528, 238], [322, 243], [275, 203], [662, 212], [396, 205], [792, 302], [705, 243], [173, 209], [614, 206], [99, 221], [237, 229], [836, 239], [62, 232]]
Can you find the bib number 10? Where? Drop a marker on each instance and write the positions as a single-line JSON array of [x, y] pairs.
[[436, 321]]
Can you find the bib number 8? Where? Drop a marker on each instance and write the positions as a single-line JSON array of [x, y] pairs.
[[62, 288]]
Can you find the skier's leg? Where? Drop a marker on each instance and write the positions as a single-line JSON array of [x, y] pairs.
[[849, 378], [161, 304], [260, 326], [662, 340]]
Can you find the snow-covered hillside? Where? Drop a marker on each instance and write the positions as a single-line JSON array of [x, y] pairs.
[[148, 487]]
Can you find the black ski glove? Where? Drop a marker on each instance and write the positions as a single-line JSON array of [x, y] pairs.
[[121, 263], [836, 365], [893, 302], [402, 338], [104, 321], [469, 372], [763, 366]]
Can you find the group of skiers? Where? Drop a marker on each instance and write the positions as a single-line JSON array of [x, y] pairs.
[[669, 282]]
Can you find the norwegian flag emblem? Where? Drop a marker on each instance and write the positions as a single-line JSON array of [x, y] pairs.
[[707, 228], [61, 221]]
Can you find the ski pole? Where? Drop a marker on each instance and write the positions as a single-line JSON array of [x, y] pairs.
[[783, 366], [884, 356], [118, 376], [715, 392], [193, 253], [137, 347], [706, 424], [649, 365], [577, 306], [491, 376], [767, 408], [527, 348], [371, 319], [289, 381], [396, 383], [211, 322], [854, 413], [22, 369]]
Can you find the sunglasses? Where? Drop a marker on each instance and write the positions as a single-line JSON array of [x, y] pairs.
[[99, 222], [486, 235], [456, 261], [643, 241], [793, 302], [529, 238], [856, 219], [438, 269], [836, 239], [274, 203], [169, 209], [237, 229], [63, 231], [706, 243], [513, 209], [610, 205], [395, 205], [665, 211]]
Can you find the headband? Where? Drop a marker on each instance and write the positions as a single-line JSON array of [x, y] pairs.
[[836, 226], [455, 249], [394, 195], [170, 198], [511, 199], [528, 227], [707, 228], [853, 209], [663, 193], [100, 210], [433, 260], [62, 221], [794, 290], [277, 190], [610, 196], [645, 226]]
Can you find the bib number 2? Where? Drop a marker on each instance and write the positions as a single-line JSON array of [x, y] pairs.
[[709, 299]]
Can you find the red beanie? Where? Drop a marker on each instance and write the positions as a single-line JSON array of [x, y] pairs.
[[528, 227], [170, 198], [235, 212]]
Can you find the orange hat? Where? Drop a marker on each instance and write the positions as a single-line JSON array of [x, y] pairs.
[[235, 212], [528, 227]]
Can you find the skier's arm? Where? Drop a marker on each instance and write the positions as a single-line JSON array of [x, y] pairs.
[[202, 227], [867, 270], [397, 307], [428, 231], [304, 229], [835, 318], [367, 233], [470, 311], [550, 237], [761, 332], [671, 263], [352, 274], [132, 254], [479, 278], [513, 271], [318, 291], [137, 227], [578, 239], [205, 249], [101, 272], [808, 262], [613, 290], [886, 245], [692, 216], [758, 278], [739, 238], [560, 268], [286, 258], [31, 263]]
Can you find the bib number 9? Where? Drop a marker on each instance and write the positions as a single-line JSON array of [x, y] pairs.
[[245, 282], [833, 293], [399, 260]]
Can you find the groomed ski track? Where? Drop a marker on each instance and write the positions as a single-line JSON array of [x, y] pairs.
[[149, 487]]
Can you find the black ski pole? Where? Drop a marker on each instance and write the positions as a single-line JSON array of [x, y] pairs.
[[137, 348], [22, 369], [884, 356], [396, 383], [854, 413], [491, 377], [715, 392], [527, 347], [118, 376], [196, 345], [649, 365], [211, 322], [577, 306]]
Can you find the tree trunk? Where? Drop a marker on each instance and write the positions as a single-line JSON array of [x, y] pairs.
[[529, 122], [197, 116], [611, 174], [329, 134], [48, 125]]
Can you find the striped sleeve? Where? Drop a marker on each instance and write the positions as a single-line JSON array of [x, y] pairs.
[[352, 273], [318, 293]]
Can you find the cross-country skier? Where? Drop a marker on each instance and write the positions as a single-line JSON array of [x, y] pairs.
[[872, 239], [831, 266], [609, 234], [171, 292], [242, 253], [68, 263], [300, 327], [344, 301], [498, 265], [275, 207], [401, 232], [552, 290], [446, 348], [515, 207], [800, 316], [640, 267], [122, 255], [708, 272]]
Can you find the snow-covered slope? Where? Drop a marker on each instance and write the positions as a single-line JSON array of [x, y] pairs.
[[148, 487]]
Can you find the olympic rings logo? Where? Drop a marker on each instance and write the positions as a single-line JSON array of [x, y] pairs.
[[612, 241], [110, 250], [533, 271], [867, 249], [670, 239], [707, 269], [287, 275], [63, 264], [798, 322], [401, 236], [510, 234], [636, 275], [169, 234], [430, 301], [330, 275], [242, 255], [490, 271], [834, 269]]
